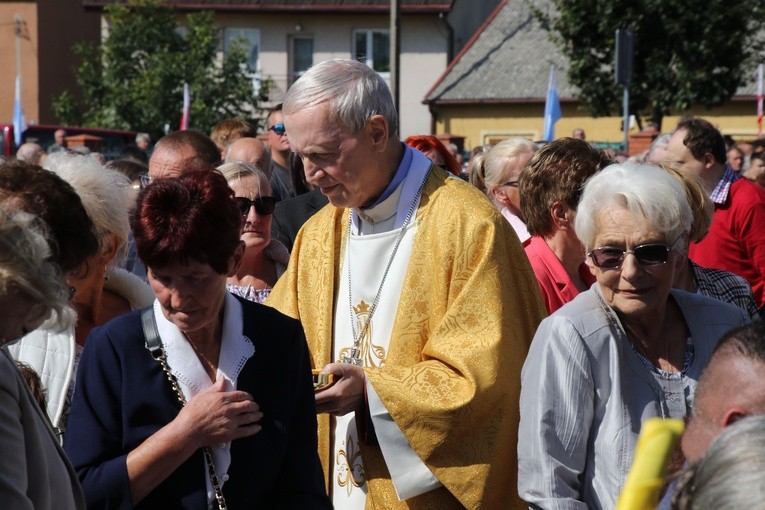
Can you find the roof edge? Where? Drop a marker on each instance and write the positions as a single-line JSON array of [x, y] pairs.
[[464, 49], [478, 101], [540, 100]]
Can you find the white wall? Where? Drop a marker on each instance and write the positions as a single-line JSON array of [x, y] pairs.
[[423, 46]]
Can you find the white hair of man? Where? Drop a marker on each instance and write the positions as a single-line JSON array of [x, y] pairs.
[[658, 151], [729, 476], [643, 190], [106, 195], [30, 152], [355, 92]]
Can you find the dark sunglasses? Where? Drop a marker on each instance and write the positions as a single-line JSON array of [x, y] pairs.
[[279, 129], [646, 255], [263, 205]]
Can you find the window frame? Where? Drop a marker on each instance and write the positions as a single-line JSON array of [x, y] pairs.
[[369, 60]]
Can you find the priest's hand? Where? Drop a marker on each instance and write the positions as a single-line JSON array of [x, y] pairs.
[[347, 394]]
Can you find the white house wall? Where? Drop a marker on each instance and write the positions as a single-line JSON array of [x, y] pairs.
[[423, 51]]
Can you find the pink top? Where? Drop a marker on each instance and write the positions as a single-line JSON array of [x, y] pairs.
[[554, 282], [518, 225]]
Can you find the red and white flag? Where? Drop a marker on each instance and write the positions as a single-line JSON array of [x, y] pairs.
[[759, 101], [185, 116]]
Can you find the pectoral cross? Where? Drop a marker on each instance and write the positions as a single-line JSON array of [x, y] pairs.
[[353, 357]]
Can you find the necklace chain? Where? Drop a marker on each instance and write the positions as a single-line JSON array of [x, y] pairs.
[[162, 358], [355, 354]]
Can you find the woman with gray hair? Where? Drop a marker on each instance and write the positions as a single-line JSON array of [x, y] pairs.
[[628, 349], [34, 471], [265, 259], [729, 476], [502, 167], [102, 291]]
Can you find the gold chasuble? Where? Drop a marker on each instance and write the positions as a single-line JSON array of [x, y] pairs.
[[468, 310]]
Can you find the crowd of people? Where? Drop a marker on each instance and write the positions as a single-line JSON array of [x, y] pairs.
[[325, 316]]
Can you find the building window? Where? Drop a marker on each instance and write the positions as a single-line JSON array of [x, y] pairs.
[[373, 48], [250, 39], [301, 56]]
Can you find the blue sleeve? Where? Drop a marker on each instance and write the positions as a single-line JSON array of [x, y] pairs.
[[94, 435]]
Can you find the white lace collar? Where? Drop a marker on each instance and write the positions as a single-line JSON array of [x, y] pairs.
[[235, 350]]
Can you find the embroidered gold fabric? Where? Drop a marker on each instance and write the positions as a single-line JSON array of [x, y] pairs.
[[468, 310]]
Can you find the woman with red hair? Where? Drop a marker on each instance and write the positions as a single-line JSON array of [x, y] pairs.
[[436, 151], [204, 399]]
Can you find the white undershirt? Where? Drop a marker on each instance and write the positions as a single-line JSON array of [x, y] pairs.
[[374, 233]]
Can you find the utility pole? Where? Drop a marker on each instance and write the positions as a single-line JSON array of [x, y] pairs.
[[18, 22], [625, 45], [395, 40]]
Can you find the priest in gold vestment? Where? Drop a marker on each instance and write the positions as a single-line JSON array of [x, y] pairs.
[[416, 294]]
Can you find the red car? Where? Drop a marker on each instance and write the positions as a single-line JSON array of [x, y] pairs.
[[113, 142]]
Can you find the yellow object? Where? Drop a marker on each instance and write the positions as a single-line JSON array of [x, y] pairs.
[[468, 310], [655, 446]]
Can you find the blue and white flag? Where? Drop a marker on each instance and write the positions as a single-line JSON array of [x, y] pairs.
[[552, 108], [19, 122]]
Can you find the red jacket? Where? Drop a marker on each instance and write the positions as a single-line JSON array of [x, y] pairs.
[[736, 239]]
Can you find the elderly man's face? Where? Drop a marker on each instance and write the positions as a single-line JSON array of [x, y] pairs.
[[735, 159], [345, 166]]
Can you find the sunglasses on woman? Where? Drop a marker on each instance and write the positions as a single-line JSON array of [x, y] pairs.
[[646, 255], [263, 205]]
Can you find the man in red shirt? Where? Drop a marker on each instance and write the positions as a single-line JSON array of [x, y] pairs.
[[736, 239]]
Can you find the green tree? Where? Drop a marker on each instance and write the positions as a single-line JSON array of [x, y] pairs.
[[134, 79], [686, 54]]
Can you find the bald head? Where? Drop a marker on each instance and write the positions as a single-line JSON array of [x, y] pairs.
[[181, 151], [731, 387], [31, 153], [252, 151]]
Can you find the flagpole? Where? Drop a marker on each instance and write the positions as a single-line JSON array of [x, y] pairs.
[[19, 123], [186, 113], [17, 32], [759, 101]]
